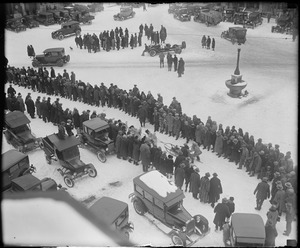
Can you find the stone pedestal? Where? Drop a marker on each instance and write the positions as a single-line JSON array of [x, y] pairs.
[[235, 85]]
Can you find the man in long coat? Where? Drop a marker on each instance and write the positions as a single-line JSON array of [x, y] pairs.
[[195, 183], [204, 188], [30, 107], [215, 189], [180, 69], [179, 175], [262, 192], [145, 156], [222, 212]]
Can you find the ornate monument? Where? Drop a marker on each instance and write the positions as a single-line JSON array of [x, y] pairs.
[[236, 84]]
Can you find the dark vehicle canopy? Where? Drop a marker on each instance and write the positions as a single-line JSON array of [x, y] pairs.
[[27, 181], [63, 144], [10, 158], [16, 119], [248, 228], [55, 50], [109, 209], [96, 124], [70, 23], [239, 32]]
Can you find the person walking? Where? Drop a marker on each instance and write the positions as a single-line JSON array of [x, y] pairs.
[[272, 215], [175, 61], [271, 234], [145, 155], [213, 44], [231, 205], [221, 213], [161, 60], [215, 189], [208, 42], [195, 182], [179, 176], [262, 192], [203, 41], [204, 188], [181, 68]]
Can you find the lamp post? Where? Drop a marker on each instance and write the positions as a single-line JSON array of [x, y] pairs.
[[237, 70]]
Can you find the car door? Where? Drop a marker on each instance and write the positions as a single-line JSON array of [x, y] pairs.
[[158, 209]]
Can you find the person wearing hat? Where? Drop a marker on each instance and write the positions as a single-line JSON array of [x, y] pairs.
[[235, 154], [180, 68], [43, 109], [204, 188], [195, 152], [221, 214], [145, 156], [179, 159], [169, 166], [271, 234], [256, 164], [188, 172], [195, 182], [21, 103], [262, 192], [272, 215], [279, 199], [179, 175], [231, 205], [215, 189], [61, 130], [69, 127], [289, 217]]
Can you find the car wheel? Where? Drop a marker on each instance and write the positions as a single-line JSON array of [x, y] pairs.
[[68, 58], [60, 63], [48, 159], [60, 37], [139, 207], [92, 172], [101, 156], [35, 64], [152, 53], [69, 181], [177, 241], [126, 234]]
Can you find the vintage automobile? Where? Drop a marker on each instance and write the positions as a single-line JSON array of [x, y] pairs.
[[15, 24], [235, 35], [195, 8], [66, 152], [228, 15], [209, 17], [30, 22], [160, 201], [125, 13], [157, 49], [284, 24], [246, 230], [82, 17], [114, 213], [94, 136], [64, 14], [67, 29], [240, 17], [51, 57], [255, 18], [18, 133], [95, 7], [14, 164], [173, 7], [182, 14], [45, 18], [29, 182], [56, 15]]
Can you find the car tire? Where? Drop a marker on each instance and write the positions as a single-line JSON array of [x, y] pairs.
[[126, 233], [35, 63], [69, 181], [101, 156], [48, 159], [92, 172], [68, 58], [139, 207], [60, 37], [60, 63], [152, 53], [177, 241]]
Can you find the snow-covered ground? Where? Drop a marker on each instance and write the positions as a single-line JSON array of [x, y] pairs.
[[268, 63]]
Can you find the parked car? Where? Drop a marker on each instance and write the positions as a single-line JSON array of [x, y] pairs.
[[284, 24], [96, 7], [66, 152], [126, 12], [182, 14], [235, 35], [45, 18], [51, 57], [240, 17], [160, 201], [18, 133], [114, 213], [247, 230], [64, 14], [255, 19], [82, 17], [173, 7], [67, 29], [228, 15], [94, 136], [156, 49], [56, 15], [29, 182], [14, 164], [15, 24], [30, 22], [209, 17]]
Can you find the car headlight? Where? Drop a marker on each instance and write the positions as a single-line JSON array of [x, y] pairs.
[[183, 228]]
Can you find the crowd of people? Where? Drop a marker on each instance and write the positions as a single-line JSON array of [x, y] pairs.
[[207, 42], [259, 159]]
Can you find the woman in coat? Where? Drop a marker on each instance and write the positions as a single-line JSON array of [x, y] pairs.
[[222, 212], [219, 144], [179, 176], [195, 183], [204, 188]]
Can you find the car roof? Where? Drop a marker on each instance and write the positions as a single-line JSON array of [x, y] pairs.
[[152, 180], [248, 228], [10, 158], [57, 49], [16, 119], [70, 23], [27, 181], [237, 28], [96, 124], [108, 209], [63, 144]]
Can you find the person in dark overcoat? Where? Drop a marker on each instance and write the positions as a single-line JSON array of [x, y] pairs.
[[195, 182], [271, 234], [156, 158], [188, 172], [118, 144], [179, 175], [215, 189], [204, 188], [207, 139], [175, 61], [43, 108], [222, 212], [213, 44], [21, 101], [30, 107], [145, 155], [180, 69], [262, 192], [178, 160], [124, 147], [142, 114], [162, 163], [169, 166], [130, 139], [136, 150], [218, 148], [231, 205]]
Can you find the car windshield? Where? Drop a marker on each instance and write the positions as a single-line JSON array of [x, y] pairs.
[[175, 209], [121, 218], [68, 153], [101, 135]]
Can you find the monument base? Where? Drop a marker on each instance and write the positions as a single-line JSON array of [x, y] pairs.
[[235, 89]]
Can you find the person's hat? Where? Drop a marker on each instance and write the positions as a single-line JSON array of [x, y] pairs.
[[276, 146], [19, 94], [273, 208], [170, 156], [174, 97], [264, 179], [215, 174], [180, 153], [275, 162], [278, 182], [231, 198], [276, 173], [69, 120], [288, 185], [207, 174], [279, 186], [269, 223], [62, 123], [197, 169], [224, 200], [261, 152], [135, 85], [292, 173]]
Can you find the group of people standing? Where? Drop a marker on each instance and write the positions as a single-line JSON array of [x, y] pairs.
[[179, 65], [207, 42]]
